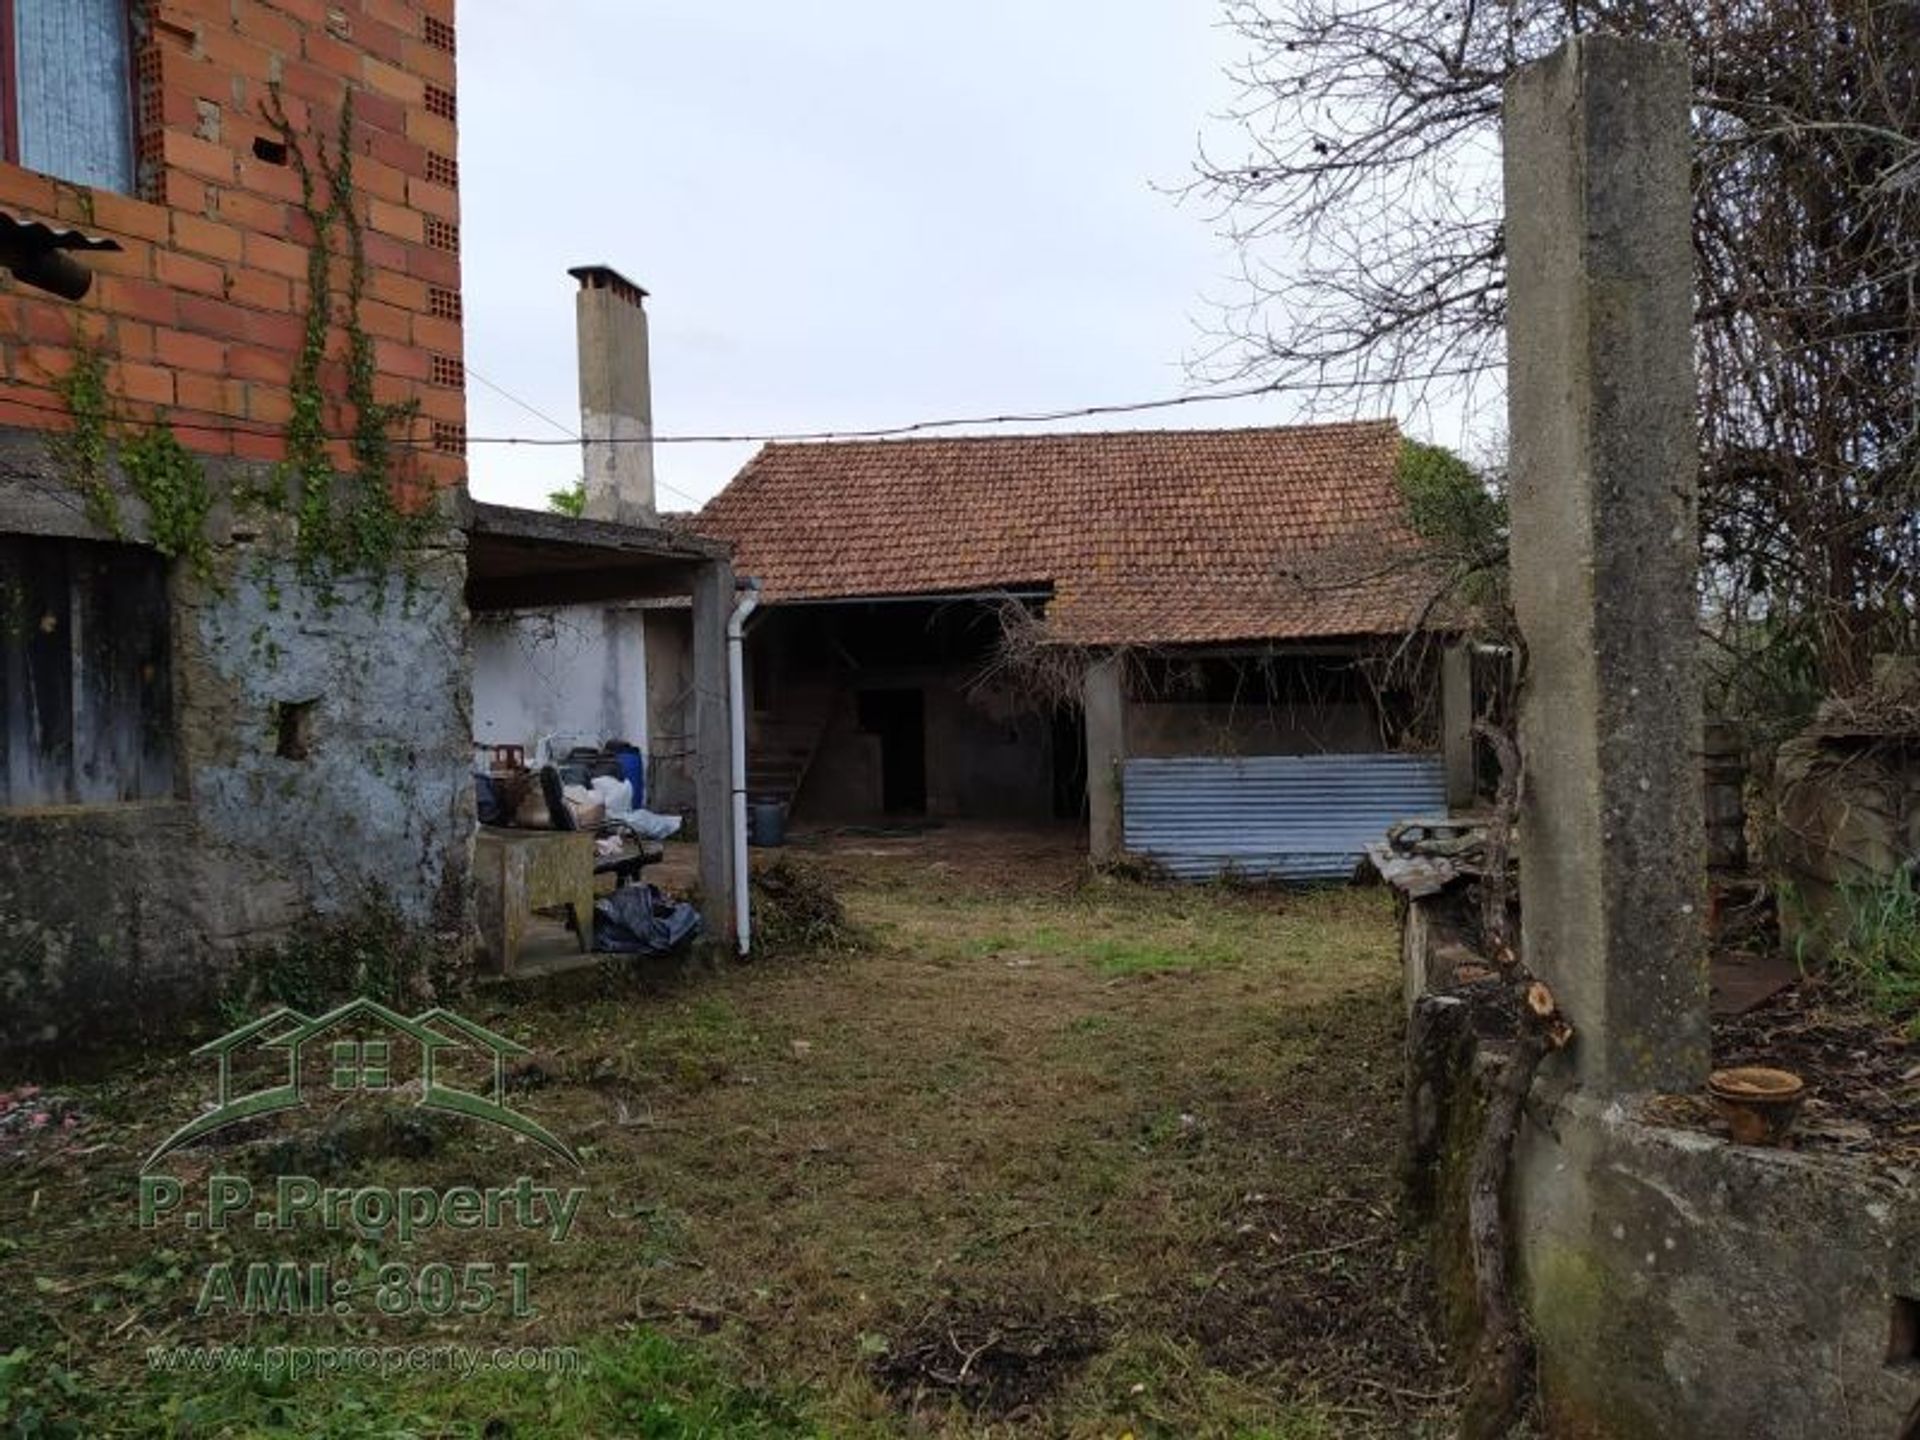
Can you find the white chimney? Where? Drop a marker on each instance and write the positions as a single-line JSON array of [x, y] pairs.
[[616, 396]]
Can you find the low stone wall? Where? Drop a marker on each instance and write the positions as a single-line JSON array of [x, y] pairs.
[[1848, 815], [1682, 1285], [321, 748], [1675, 1283]]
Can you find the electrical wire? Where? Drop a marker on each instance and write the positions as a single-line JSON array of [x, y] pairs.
[[236, 425], [525, 405], [574, 435]]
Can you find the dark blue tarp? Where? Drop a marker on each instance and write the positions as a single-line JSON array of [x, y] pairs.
[[641, 920]]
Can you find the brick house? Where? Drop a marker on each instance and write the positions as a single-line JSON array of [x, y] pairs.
[[1214, 599], [233, 693]]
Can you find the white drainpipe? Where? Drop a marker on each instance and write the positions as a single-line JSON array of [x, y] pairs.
[[748, 602]]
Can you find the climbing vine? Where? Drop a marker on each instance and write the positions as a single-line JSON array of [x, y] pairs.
[[166, 477], [347, 523], [82, 450], [173, 483]]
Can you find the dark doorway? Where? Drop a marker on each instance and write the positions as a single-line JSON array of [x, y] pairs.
[[1069, 749], [899, 718]]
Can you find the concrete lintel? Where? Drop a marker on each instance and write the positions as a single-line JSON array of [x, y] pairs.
[[609, 585]]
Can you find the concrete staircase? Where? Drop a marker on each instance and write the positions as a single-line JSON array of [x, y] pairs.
[[782, 745]]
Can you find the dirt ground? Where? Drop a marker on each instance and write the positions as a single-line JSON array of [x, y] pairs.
[[1040, 1153]]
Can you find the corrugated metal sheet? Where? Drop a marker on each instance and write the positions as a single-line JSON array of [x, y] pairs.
[[76, 94], [1291, 817]]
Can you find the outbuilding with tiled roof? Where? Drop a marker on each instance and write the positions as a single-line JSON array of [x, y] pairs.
[[1225, 585]]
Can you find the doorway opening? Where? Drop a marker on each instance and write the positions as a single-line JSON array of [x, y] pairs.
[[1069, 749], [899, 719]]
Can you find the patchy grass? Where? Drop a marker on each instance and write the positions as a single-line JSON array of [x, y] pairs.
[[1042, 1154]]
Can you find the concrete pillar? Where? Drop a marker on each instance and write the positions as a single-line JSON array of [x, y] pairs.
[[1456, 724], [1604, 474], [712, 745], [1104, 704]]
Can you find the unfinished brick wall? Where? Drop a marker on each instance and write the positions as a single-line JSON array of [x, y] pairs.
[[201, 317]]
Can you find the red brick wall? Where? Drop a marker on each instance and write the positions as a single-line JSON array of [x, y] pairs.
[[201, 317]]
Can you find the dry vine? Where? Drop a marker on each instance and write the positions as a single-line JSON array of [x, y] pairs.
[[1503, 1356]]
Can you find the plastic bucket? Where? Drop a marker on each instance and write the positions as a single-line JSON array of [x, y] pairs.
[[767, 823]]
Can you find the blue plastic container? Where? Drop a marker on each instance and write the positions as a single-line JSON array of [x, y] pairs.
[[633, 770]]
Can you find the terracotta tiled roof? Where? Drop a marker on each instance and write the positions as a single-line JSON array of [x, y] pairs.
[[1148, 537]]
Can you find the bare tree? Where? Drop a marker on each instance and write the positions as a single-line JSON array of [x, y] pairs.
[[1364, 195]]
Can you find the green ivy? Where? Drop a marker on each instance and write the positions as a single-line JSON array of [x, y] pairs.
[[347, 524], [158, 468], [1461, 521], [82, 451], [173, 483]]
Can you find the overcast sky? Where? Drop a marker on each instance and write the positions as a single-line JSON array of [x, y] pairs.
[[848, 213]]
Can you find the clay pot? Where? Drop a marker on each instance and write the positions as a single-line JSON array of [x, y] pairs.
[[1758, 1104]]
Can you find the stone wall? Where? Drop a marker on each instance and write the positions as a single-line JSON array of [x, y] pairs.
[[1179, 728], [987, 756], [1848, 816], [1682, 1285], [322, 746], [1676, 1283], [316, 737]]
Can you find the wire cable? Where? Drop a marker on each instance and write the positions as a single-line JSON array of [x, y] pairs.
[[575, 435], [236, 425], [525, 405]]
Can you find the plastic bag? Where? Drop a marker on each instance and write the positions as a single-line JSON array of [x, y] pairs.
[[642, 920]]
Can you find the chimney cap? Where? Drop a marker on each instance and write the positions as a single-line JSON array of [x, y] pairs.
[[605, 277]]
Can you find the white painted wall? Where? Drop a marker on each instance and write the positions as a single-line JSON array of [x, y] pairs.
[[579, 668]]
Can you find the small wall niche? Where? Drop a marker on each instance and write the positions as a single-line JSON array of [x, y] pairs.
[[293, 728]]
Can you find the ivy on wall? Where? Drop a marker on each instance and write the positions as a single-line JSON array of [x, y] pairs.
[[172, 481], [82, 451], [349, 523], [348, 520], [162, 472]]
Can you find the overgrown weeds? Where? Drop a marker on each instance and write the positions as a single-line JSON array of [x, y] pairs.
[[373, 950], [797, 912], [1878, 953]]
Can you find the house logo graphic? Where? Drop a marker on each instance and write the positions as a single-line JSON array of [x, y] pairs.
[[366, 1040]]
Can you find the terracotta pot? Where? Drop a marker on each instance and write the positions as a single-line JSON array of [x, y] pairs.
[[1758, 1104]]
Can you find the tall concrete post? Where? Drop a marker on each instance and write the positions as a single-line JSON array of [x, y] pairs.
[[1604, 481], [713, 745], [1456, 724], [1104, 706]]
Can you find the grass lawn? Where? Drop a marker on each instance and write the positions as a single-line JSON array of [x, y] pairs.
[[1043, 1155]]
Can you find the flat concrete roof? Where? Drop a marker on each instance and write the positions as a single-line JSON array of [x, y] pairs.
[[521, 559]]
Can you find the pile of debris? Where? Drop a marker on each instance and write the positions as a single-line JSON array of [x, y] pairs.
[[1437, 868], [1423, 858], [796, 912]]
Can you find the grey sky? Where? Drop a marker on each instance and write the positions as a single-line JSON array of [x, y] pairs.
[[849, 212]]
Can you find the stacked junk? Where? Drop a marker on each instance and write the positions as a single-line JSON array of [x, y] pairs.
[[580, 783]]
